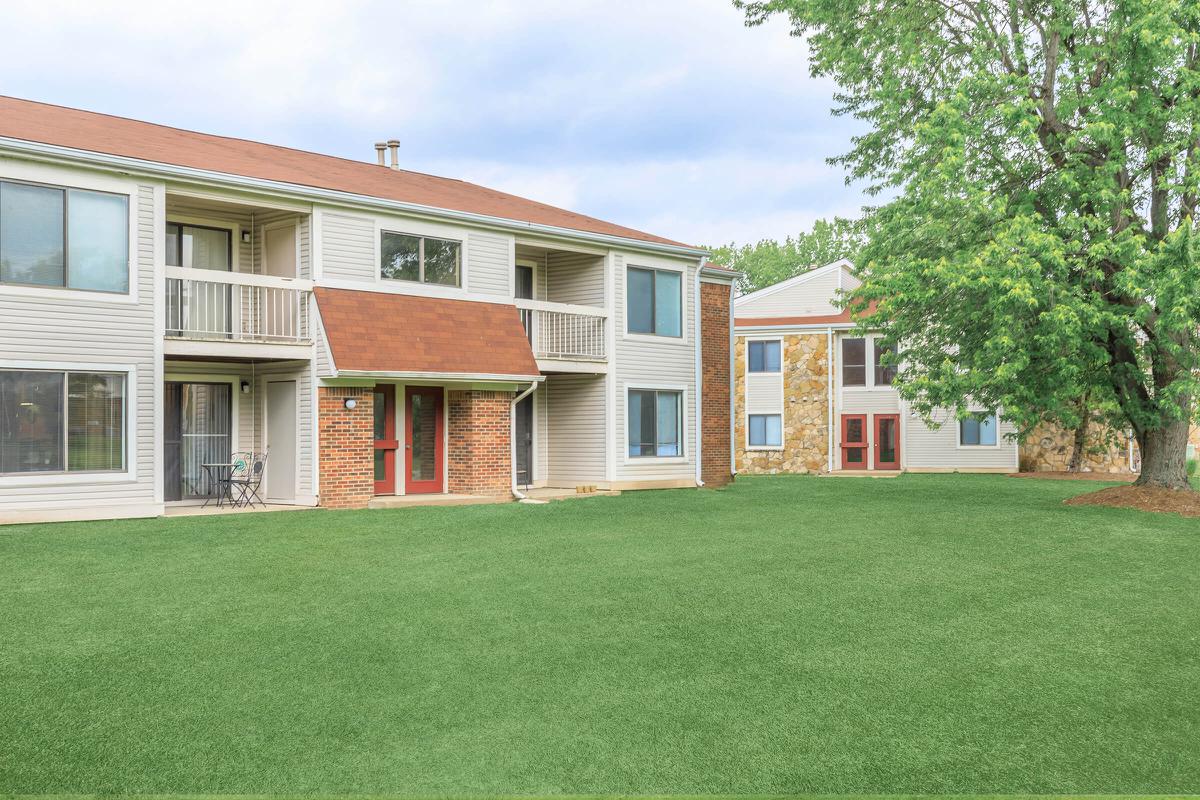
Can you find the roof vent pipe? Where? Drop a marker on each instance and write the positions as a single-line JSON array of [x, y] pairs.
[[394, 146], [379, 148]]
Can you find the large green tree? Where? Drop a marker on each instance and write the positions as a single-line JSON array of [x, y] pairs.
[[1046, 162], [769, 261]]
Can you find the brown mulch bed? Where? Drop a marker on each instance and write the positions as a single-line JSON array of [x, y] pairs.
[[1111, 477], [1142, 498]]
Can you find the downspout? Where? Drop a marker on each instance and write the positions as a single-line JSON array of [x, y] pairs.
[[732, 389], [829, 400], [699, 375], [512, 442]]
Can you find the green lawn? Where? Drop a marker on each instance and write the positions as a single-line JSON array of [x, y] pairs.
[[924, 634]]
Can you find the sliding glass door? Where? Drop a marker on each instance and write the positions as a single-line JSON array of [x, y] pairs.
[[197, 430]]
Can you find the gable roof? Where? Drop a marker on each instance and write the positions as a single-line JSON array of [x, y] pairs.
[[43, 123], [462, 338], [803, 277]]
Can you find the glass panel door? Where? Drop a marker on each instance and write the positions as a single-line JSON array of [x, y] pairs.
[[385, 440], [197, 430], [887, 441], [854, 441], [524, 434], [423, 440]]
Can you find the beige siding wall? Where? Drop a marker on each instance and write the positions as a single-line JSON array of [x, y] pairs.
[[644, 362], [489, 264], [576, 278], [926, 447], [575, 430], [52, 329], [348, 247], [810, 297]]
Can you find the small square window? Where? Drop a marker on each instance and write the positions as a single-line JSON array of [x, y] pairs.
[[976, 432], [765, 356], [766, 430]]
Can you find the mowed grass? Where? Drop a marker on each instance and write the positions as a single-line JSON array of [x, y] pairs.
[[958, 633]]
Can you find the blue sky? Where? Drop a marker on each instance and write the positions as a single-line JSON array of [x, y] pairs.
[[665, 115]]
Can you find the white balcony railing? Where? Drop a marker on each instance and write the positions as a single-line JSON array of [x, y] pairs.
[[567, 332], [236, 306]]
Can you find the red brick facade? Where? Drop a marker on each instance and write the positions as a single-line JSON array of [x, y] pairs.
[[480, 442], [716, 300], [346, 447]]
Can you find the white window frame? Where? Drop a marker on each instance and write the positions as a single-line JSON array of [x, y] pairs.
[[462, 259], [747, 376], [765, 339], [60, 178], [655, 265], [682, 458], [235, 238], [65, 478], [958, 434], [775, 447], [869, 340]]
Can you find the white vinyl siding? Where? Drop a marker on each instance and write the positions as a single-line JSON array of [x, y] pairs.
[[489, 263], [80, 330], [811, 297], [575, 429], [348, 247], [928, 448], [655, 363], [575, 278]]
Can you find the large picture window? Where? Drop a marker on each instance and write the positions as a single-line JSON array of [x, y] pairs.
[[654, 301], [655, 423], [976, 432], [61, 421], [421, 259], [70, 238], [764, 356]]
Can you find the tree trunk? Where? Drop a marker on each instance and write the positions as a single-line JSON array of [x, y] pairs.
[[1076, 462], [1164, 456]]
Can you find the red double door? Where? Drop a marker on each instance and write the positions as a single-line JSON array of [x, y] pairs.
[[855, 445], [423, 440]]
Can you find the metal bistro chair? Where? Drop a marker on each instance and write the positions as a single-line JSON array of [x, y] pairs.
[[250, 481]]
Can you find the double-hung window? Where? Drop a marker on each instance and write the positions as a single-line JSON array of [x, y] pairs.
[[61, 421], [764, 356], [70, 238], [655, 423], [977, 432], [854, 362], [654, 301], [420, 259], [885, 374]]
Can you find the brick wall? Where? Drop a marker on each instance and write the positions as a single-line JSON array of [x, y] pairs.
[[715, 300], [806, 370], [480, 443], [347, 447]]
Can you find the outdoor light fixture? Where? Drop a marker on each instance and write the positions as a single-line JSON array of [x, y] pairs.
[[246, 237], [350, 404], [245, 387]]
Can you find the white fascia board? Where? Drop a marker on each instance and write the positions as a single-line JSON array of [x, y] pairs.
[[795, 280], [160, 170]]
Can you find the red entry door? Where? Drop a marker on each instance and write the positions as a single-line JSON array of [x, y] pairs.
[[385, 439], [424, 432], [854, 441], [887, 441]]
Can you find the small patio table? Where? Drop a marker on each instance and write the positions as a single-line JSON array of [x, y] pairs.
[[221, 476]]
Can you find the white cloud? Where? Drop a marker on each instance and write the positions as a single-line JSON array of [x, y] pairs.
[[668, 116]]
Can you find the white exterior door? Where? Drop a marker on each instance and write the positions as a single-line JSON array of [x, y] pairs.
[[281, 441]]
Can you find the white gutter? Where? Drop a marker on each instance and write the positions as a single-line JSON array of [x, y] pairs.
[[477, 377], [174, 171], [732, 389], [807, 326], [699, 377], [829, 402], [512, 439]]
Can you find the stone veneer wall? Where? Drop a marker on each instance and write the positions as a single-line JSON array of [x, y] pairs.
[[806, 368], [715, 302], [1048, 449], [346, 439], [480, 442]]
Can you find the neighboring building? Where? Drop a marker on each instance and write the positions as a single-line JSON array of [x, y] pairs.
[[169, 297], [812, 395]]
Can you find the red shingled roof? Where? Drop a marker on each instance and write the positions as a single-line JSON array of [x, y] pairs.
[[101, 133], [404, 334]]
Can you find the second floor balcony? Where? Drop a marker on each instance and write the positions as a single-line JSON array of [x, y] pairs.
[[564, 337], [211, 312]]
